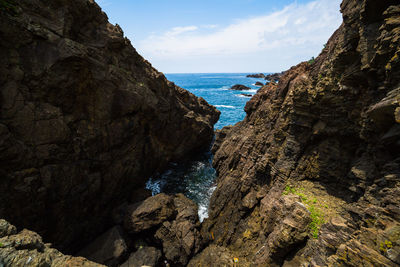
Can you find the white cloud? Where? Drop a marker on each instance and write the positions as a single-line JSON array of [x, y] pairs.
[[292, 33], [179, 30]]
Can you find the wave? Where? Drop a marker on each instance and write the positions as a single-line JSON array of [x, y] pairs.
[[244, 96], [224, 106]]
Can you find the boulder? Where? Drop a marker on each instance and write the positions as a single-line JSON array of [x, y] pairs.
[[144, 256], [259, 84], [240, 87], [181, 238], [110, 248], [149, 213], [26, 248]]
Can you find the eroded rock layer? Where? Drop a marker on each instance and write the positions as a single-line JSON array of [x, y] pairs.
[[84, 119], [311, 177]]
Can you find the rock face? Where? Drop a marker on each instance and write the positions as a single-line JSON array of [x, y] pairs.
[[240, 87], [26, 248], [84, 119], [311, 177]]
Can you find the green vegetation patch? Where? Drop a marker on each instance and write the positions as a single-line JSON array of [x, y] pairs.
[[316, 214]]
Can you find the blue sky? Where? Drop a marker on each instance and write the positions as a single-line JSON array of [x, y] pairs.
[[179, 36]]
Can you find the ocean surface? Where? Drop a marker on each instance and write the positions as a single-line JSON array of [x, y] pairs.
[[196, 179]]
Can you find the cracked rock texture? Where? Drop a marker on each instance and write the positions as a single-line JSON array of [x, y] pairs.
[[26, 248], [311, 177], [84, 120]]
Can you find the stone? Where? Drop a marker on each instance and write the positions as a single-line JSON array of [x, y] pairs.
[[110, 248], [240, 87], [145, 256], [259, 84], [181, 237], [150, 213], [259, 75], [26, 248]]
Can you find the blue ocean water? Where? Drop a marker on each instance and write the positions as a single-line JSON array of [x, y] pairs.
[[196, 178], [214, 88]]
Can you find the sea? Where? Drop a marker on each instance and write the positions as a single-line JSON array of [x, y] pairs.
[[196, 178]]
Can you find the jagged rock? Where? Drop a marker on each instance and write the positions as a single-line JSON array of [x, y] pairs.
[[259, 84], [240, 87], [6, 228], [214, 256], [26, 248], [110, 248], [150, 213], [275, 77], [145, 256], [84, 120], [325, 134], [181, 238]]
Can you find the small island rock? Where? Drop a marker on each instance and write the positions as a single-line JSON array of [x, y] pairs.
[[240, 87]]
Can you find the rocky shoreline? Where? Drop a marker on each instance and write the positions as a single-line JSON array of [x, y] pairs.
[[311, 176]]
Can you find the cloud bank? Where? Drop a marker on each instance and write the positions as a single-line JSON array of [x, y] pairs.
[[272, 42]]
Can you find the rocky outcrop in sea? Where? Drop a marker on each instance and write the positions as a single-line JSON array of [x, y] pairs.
[[240, 87], [259, 75]]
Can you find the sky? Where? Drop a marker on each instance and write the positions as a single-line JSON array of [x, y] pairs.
[[221, 36]]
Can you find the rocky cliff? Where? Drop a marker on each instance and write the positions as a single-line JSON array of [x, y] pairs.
[[311, 177], [84, 119]]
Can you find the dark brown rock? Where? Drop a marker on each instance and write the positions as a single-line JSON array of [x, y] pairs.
[[150, 213], [84, 120], [145, 256], [240, 87], [259, 84], [110, 248], [275, 77], [181, 238], [259, 75]]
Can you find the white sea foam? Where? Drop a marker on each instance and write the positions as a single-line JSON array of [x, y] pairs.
[[224, 106], [203, 207], [252, 91], [243, 96]]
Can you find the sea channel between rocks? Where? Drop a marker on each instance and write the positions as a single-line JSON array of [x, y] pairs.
[[196, 178]]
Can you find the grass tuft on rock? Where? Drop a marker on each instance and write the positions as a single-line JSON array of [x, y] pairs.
[[316, 213]]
